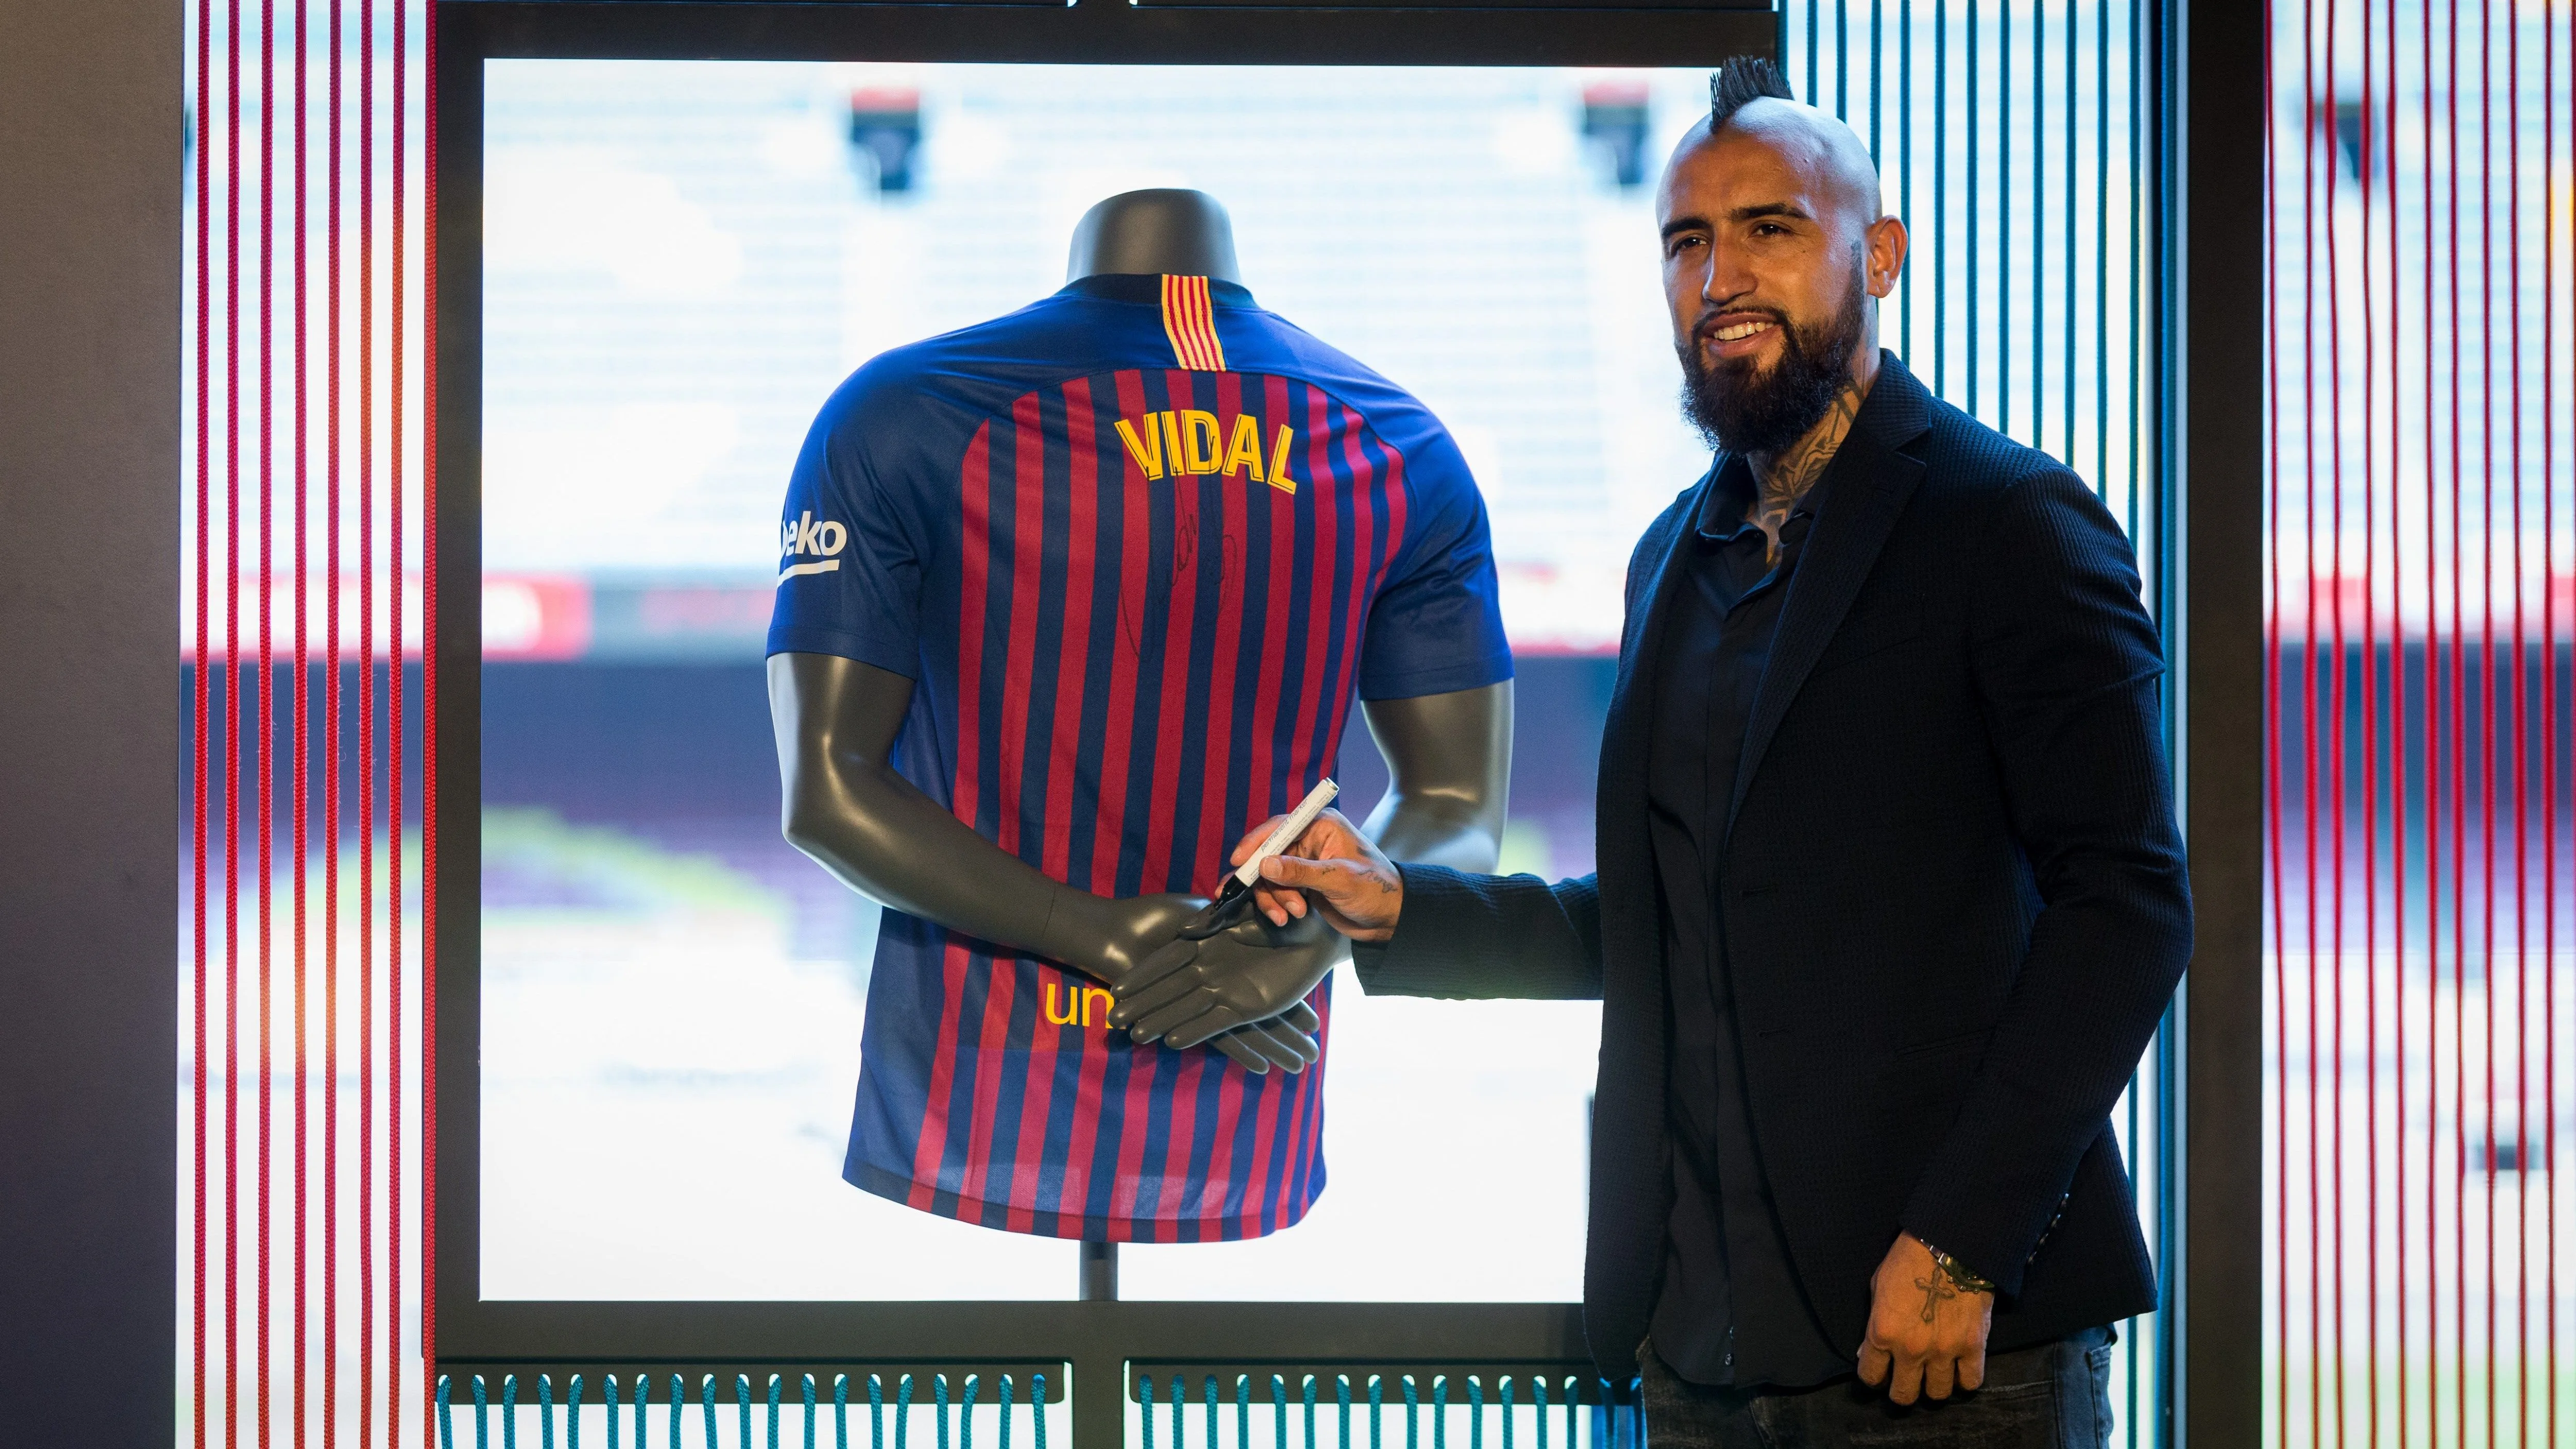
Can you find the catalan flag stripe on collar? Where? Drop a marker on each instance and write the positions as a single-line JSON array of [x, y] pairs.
[[1189, 319]]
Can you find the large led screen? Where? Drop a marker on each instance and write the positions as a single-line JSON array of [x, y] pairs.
[[681, 260]]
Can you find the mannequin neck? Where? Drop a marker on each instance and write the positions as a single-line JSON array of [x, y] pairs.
[[1174, 232]]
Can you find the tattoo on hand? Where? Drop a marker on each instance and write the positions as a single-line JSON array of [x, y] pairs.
[[1937, 1289]]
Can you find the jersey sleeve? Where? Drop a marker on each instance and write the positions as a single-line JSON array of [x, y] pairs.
[[1437, 625], [849, 567]]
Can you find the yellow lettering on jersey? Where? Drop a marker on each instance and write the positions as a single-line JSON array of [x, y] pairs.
[[1199, 431], [1091, 994], [1279, 478], [1244, 453], [1147, 450], [1179, 463], [1072, 1006]]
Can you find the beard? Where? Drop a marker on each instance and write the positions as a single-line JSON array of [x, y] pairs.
[[1743, 410]]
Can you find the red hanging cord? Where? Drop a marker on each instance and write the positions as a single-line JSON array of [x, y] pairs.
[[429, 711], [266, 695], [366, 775], [232, 733], [398, 573], [302, 728], [200, 698], [332, 761]]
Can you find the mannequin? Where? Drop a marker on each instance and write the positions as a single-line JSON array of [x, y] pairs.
[[1241, 988]]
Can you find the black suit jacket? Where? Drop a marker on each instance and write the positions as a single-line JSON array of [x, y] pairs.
[[1951, 888]]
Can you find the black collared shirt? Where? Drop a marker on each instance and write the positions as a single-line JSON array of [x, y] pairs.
[[1732, 1311]]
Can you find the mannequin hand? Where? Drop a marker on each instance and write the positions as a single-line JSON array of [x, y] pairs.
[[1250, 971], [1332, 869], [1137, 927]]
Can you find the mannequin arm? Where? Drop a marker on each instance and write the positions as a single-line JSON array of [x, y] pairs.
[[835, 722], [1450, 760]]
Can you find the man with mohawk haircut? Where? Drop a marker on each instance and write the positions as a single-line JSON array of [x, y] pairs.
[[1890, 897]]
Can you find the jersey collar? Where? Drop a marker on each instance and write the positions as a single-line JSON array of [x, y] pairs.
[[1147, 287]]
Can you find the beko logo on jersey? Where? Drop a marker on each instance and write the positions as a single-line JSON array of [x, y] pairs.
[[1187, 442], [803, 535]]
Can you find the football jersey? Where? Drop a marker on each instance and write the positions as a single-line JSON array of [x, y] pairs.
[[1138, 544]]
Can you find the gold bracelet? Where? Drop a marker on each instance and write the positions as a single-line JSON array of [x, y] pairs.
[[1958, 1272]]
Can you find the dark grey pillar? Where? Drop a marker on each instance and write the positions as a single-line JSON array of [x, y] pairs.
[[90, 136]]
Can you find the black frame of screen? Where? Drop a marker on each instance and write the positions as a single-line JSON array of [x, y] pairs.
[[2208, 420]]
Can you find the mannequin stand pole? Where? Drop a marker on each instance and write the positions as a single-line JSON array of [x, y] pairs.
[[1099, 1273]]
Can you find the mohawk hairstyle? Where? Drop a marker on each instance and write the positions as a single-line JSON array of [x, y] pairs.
[[1745, 78]]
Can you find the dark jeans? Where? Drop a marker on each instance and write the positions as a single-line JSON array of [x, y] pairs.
[[2055, 1396]]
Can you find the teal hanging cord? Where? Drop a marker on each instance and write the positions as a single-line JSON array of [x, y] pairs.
[[1377, 1411], [966, 1413], [608, 1387], [1209, 1392], [643, 1391], [1538, 1401], [1572, 1400], [1037, 1408], [939, 1407], [1004, 1441], [1342, 1398], [446, 1429], [482, 1411], [545, 1411], [707, 1406], [572, 1413], [679, 1408], [775, 1388], [840, 1411], [1279, 1412], [1243, 1411], [1180, 1406], [742, 1411], [1440, 1412], [1506, 1387], [509, 1411], [902, 1409], [1412, 1414], [1145, 1413], [809, 1411]]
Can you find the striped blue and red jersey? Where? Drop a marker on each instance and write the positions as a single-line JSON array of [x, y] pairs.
[[1139, 545]]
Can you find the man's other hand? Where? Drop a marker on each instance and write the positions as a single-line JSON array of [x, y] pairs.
[[1335, 869], [1927, 1335]]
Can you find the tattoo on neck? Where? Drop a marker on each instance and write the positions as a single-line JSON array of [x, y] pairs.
[[1787, 477], [1937, 1289]]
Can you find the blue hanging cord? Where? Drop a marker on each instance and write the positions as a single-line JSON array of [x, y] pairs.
[[966, 1413], [482, 1410], [509, 1411], [809, 1411], [1037, 1407], [1145, 1414]]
